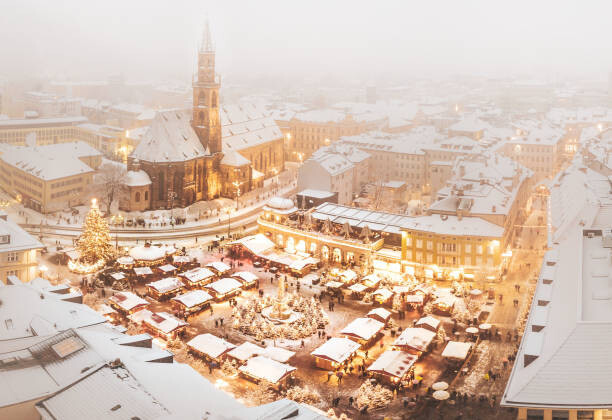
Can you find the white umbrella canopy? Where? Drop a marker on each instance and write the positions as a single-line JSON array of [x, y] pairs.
[[471, 330], [441, 395], [476, 292], [440, 386], [485, 326]]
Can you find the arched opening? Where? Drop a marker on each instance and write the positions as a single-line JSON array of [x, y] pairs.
[[214, 100], [279, 240], [137, 197], [337, 255], [201, 116], [325, 252], [290, 247], [202, 98], [146, 195], [313, 248], [301, 246]]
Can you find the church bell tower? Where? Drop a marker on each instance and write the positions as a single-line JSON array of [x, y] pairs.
[[205, 120]]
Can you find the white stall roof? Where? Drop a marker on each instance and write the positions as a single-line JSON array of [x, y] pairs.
[[197, 274], [337, 349], [429, 321], [363, 328], [245, 276], [261, 367], [127, 300], [245, 351], [143, 271], [219, 267], [394, 363], [193, 298], [256, 244], [278, 353], [180, 259], [380, 312], [166, 268], [167, 284], [210, 345], [358, 288], [416, 338], [164, 322], [225, 285], [456, 350]]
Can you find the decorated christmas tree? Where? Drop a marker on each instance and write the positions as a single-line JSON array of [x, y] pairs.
[[94, 244]]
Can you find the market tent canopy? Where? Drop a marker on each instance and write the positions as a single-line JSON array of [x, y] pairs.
[[127, 301], [260, 367], [278, 353], [210, 345], [428, 322], [334, 284], [197, 274], [166, 285], [357, 288], [180, 259], [167, 268], [225, 285], [118, 275], [164, 322], [457, 350], [381, 313], [219, 267]]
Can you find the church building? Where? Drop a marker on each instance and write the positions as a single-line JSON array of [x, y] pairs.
[[210, 152]]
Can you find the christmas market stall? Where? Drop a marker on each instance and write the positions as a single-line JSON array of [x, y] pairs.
[[278, 353], [244, 352], [192, 302], [380, 314], [165, 288], [444, 305], [247, 278], [429, 323], [371, 281], [164, 325], [412, 302], [219, 267], [167, 269], [334, 352], [383, 296], [127, 302], [303, 266], [357, 290], [142, 272], [180, 260], [334, 286], [392, 367], [125, 262], [414, 340], [109, 313], [198, 277], [456, 351], [210, 347], [348, 277], [225, 288], [252, 245], [260, 368], [364, 331]]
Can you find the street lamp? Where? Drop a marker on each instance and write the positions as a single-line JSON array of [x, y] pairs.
[[171, 197], [237, 185], [228, 210]]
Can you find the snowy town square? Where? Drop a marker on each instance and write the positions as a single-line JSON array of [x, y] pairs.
[[305, 210]]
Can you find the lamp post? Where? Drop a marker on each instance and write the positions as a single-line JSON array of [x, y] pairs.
[[237, 185], [171, 197], [229, 219]]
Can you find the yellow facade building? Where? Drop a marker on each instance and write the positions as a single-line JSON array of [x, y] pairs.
[[18, 251]]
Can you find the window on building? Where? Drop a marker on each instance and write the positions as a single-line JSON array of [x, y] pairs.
[[12, 257], [419, 243], [468, 248], [430, 245], [146, 195], [137, 197], [479, 249]]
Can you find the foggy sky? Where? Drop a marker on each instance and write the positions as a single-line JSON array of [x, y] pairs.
[[151, 40]]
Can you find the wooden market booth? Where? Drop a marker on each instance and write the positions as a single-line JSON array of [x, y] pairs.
[[392, 366], [225, 288], [198, 277], [165, 288], [192, 302], [210, 347], [364, 331], [334, 352]]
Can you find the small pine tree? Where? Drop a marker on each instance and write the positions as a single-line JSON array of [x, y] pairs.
[[94, 244]]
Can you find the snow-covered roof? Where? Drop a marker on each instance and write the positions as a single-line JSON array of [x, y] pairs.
[[278, 353], [46, 165], [336, 349], [321, 116], [363, 328], [170, 138], [394, 363], [137, 178], [358, 287], [245, 351], [219, 267], [261, 367], [225, 285], [456, 350], [245, 276], [210, 345], [233, 158], [128, 300], [193, 298], [320, 194], [415, 338], [380, 312], [246, 125], [151, 253], [164, 322], [143, 271], [429, 321], [572, 341], [197, 274], [18, 239], [165, 285], [166, 268], [6, 124]]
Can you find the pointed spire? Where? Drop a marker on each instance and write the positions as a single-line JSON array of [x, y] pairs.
[[206, 44]]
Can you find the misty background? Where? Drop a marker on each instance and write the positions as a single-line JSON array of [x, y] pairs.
[[285, 40]]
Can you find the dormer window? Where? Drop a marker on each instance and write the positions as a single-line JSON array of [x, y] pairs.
[[5, 239]]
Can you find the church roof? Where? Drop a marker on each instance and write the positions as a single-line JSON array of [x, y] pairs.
[[233, 158], [169, 139], [246, 125]]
